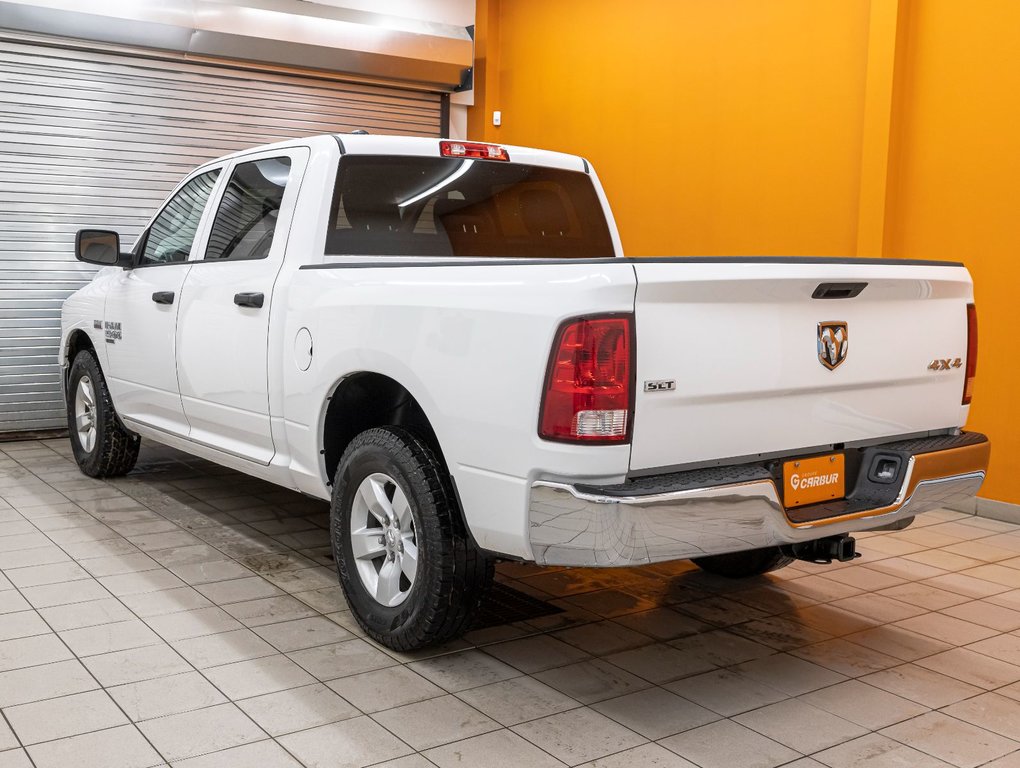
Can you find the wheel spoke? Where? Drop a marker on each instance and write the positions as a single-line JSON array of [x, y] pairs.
[[90, 440], [366, 544], [388, 586], [374, 495], [409, 560], [83, 421], [86, 394], [402, 509]]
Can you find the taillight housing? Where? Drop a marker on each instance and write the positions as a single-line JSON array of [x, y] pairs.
[[589, 384], [474, 150], [972, 347]]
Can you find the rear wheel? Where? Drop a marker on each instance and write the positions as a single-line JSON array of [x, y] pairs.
[[101, 445], [411, 574], [742, 565]]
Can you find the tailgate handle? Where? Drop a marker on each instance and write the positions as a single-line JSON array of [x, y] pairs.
[[838, 290]]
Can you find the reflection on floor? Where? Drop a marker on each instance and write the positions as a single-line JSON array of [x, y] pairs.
[[189, 615]]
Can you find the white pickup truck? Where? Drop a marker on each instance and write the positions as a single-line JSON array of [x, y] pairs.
[[445, 339]]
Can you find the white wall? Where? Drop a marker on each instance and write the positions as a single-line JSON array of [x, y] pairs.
[[455, 13], [460, 13]]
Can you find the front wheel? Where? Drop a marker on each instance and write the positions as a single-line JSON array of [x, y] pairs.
[[101, 445], [409, 571], [743, 565]]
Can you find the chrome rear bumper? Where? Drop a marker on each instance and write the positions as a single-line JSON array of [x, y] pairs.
[[581, 528]]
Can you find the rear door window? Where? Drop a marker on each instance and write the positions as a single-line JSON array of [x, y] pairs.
[[425, 206], [245, 223]]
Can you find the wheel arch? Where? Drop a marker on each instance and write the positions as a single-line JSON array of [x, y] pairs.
[[365, 400], [77, 341]]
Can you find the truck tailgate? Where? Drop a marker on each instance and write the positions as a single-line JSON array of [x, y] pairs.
[[741, 341]]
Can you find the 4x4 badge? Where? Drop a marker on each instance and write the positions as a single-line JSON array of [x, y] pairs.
[[833, 343]]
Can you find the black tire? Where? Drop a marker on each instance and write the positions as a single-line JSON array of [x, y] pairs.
[[743, 565], [115, 450], [452, 575]]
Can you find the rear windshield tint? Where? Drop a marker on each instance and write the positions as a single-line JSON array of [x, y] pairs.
[[425, 206]]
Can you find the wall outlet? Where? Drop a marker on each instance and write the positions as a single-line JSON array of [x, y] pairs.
[[497, 117]]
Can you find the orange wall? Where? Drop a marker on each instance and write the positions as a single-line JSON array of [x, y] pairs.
[[796, 127], [955, 189], [709, 135]]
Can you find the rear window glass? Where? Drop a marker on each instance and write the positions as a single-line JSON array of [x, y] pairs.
[[425, 206]]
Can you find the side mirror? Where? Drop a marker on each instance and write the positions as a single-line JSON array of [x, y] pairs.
[[99, 246]]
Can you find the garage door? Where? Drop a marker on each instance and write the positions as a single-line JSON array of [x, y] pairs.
[[97, 139]]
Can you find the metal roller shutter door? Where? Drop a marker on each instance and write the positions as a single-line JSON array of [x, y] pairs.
[[97, 138]]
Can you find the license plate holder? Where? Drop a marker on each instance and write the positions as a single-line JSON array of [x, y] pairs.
[[814, 480]]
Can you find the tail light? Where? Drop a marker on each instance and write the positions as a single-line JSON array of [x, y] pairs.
[[972, 341], [473, 149], [588, 385]]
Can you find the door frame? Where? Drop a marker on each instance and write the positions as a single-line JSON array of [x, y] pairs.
[[116, 284], [300, 155]]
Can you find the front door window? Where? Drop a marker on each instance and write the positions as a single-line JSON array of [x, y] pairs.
[[172, 233]]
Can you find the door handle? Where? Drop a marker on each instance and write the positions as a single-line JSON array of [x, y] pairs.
[[163, 297], [249, 299]]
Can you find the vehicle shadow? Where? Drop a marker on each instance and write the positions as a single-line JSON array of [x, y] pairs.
[[283, 536]]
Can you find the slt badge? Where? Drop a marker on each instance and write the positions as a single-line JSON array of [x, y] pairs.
[[833, 343]]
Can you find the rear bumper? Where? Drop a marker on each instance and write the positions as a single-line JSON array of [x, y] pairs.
[[736, 508]]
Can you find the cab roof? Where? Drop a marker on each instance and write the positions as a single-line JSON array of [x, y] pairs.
[[370, 144]]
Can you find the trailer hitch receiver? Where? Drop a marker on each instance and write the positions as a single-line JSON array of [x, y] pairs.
[[842, 548]]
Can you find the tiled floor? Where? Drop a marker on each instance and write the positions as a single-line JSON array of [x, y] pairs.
[[189, 615]]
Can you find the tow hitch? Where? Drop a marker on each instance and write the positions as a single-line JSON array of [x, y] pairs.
[[823, 551]]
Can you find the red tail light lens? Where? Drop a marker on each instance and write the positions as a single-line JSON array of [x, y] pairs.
[[588, 386], [972, 341], [473, 149]]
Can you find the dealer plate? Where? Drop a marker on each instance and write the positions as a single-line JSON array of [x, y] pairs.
[[810, 481]]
